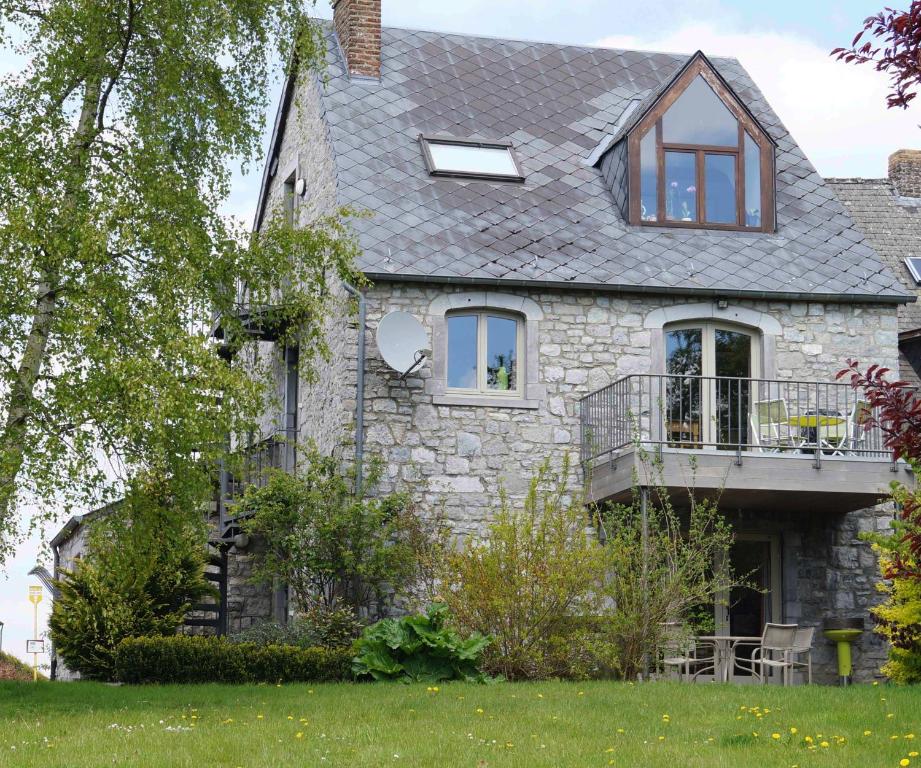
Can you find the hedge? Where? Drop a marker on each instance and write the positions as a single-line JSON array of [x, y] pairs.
[[182, 659]]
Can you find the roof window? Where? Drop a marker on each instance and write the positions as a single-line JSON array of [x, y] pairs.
[[914, 266], [471, 159]]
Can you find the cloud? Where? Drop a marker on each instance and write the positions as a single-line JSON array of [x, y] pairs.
[[837, 112]]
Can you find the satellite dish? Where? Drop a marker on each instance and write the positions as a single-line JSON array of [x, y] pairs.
[[403, 342]]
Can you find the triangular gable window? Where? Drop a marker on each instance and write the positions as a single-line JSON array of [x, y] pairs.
[[698, 158]]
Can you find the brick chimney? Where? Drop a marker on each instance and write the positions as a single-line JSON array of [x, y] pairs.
[[905, 172], [358, 27]]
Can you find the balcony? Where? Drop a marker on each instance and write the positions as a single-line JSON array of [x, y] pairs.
[[760, 444]]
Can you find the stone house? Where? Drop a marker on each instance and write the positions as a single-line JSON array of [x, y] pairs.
[[608, 252]]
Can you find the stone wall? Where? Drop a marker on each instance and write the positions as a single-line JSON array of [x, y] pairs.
[[585, 341], [827, 572], [456, 456]]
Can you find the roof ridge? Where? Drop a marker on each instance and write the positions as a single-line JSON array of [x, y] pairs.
[[582, 46], [856, 179]]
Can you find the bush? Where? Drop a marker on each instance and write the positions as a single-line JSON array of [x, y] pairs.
[[318, 627], [331, 544], [181, 659], [529, 580], [418, 649], [142, 572], [661, 568]]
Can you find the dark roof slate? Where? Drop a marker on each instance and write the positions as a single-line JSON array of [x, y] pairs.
[[561, 227]]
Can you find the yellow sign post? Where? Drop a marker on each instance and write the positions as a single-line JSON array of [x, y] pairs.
[[35, 597]]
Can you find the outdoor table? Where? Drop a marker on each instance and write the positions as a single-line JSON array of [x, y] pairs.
[[808, 425], [814, 421], [724, 653]]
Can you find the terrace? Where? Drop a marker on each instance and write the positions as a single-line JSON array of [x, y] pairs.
[[762, 444]]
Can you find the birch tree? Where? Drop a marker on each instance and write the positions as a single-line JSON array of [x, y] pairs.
[[116, 139]]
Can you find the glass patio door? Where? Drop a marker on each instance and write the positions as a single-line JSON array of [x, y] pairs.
[[708, 395], [744, 610]]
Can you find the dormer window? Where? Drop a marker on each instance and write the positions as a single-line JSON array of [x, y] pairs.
[[698, 159], [471, 159]]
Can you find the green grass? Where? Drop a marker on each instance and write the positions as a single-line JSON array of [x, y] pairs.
[[540, 724]]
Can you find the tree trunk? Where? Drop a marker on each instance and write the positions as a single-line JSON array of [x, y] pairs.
[[21, 404]]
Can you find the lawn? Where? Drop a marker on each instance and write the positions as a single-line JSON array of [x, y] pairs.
[[540, 724]]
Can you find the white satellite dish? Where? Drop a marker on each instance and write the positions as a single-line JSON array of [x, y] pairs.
[[402, 341]]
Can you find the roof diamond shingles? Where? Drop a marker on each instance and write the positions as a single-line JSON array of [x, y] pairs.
[[557, 103]]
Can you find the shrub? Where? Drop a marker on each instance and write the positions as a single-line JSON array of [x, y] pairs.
[[332, 544], [527, 582], [318, 627], [181, 659], [660, 567], [418, 648], [142, 572], [899, 621]]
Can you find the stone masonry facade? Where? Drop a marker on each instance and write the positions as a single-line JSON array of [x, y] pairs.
[[456, 456]]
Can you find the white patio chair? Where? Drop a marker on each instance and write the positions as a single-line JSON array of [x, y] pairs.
[[771, 428], [851, 436], [680, 652], [777, 639], [802, 645]]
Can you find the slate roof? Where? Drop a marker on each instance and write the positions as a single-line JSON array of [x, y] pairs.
[[892, 225], [561, 227]]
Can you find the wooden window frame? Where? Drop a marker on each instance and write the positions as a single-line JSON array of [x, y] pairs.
[[482, 342], [746, 124]]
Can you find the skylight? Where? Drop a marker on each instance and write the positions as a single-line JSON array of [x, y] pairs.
[[468, 158], [914, 266]]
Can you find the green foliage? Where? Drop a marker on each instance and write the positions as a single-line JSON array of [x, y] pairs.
[[419, 649], [523, 583], [563, 602], [660, 568], [181, 659], [116, 141], [333, 545], [142, 572], [898, 619], [12, 668], [317, 627]]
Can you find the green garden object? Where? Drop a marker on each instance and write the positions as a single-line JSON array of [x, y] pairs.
[[843, 632], [502, 378]]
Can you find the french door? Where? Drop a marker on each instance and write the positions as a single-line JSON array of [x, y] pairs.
[[708, 392]]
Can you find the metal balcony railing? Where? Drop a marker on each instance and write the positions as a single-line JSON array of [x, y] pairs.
[[821, 419], [252, 466]]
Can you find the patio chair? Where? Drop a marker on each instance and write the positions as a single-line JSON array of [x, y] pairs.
[[680, 652], [802, 645], [777, 639], [771, 428], [851, 436]]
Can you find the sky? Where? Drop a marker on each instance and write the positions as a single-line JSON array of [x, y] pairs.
[[835, 111]]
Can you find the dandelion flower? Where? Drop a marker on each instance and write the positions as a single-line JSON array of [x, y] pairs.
[[904, 761], [793, 730], [298, 735], [775, 735], [867, 733], [824, 744]]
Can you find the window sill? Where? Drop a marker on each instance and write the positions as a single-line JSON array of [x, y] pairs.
[[485, 401]]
